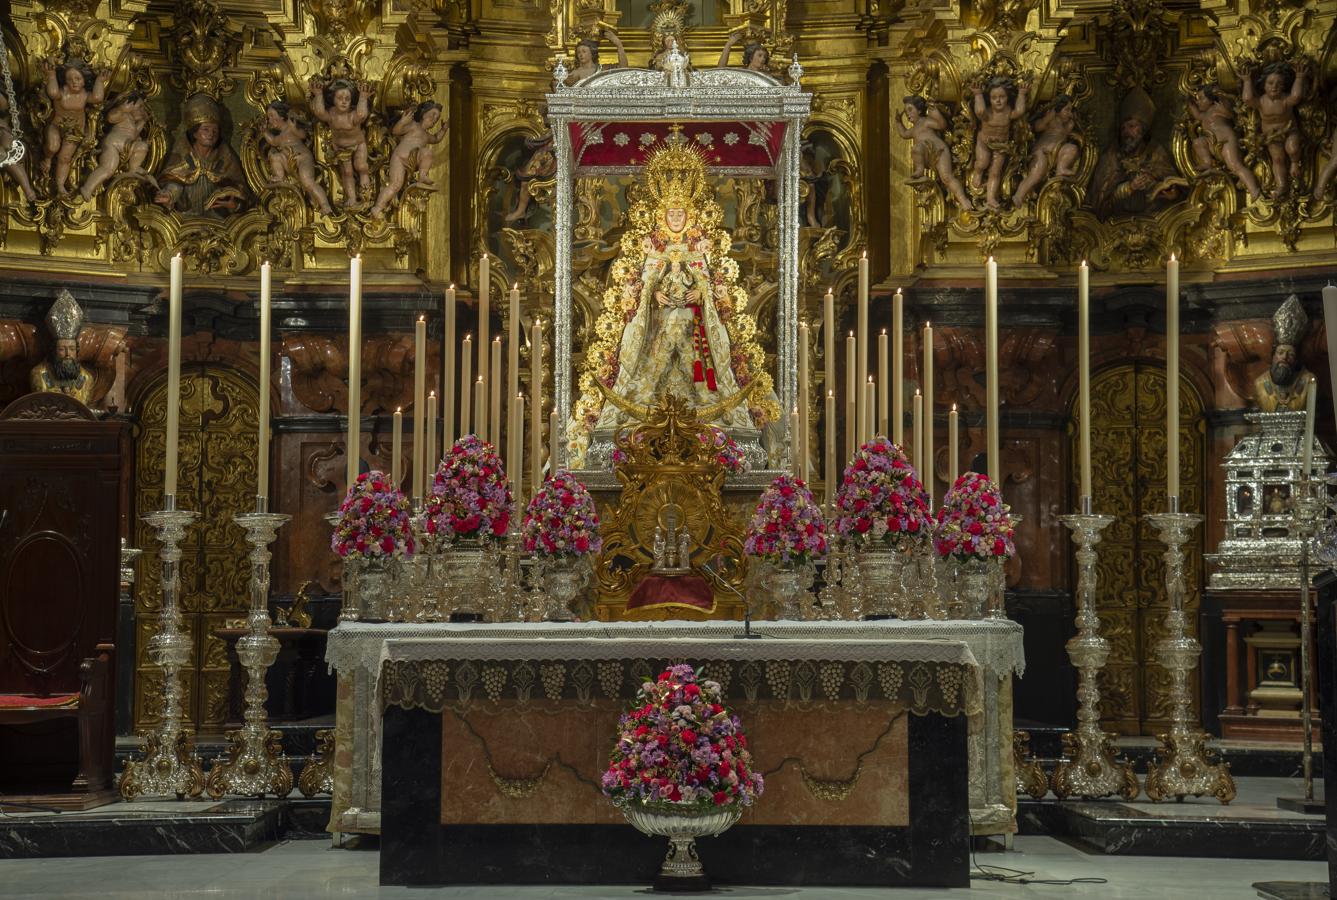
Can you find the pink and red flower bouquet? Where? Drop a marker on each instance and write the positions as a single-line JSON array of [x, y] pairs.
[[973, 521], [470, 495], [679, 745], [374, 521], [881, 499], [787, 526], [727, 452], [561, 519]]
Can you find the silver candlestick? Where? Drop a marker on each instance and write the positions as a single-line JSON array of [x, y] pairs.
[[255, 763], [1090, 766], [170, 765], [1182, 766]]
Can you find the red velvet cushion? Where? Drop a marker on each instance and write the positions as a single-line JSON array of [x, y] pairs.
[[28, 701]]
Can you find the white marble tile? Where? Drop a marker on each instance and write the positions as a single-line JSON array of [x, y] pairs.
[[312, 870]]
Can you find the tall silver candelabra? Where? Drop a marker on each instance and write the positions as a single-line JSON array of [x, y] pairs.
[[1090, 766], [255, 764], [1183, 765], [170, 765]]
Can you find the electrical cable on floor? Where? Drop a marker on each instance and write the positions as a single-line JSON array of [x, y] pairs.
[[1005, 875]]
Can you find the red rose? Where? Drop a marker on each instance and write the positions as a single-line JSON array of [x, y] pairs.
[[692, 690], [582, 544], [721, 798], [499, 526], [863, 524], [724, 769], [999, 547], [689, 737], [675, 795]]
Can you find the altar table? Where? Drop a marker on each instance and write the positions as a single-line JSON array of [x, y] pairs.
[[357, 651], [493, 752]]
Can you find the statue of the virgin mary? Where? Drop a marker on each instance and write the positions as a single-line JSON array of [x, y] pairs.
[[673, 319]]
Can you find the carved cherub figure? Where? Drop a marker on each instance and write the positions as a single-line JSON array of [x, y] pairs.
[[15, 170], [1329, 170], [1005, 103], [345, 108], [1053, 151], [70, 87], [1283, 87], [929, 150], [755, 56], [1218, 143], [587, 58], [286, 135], [123, 145], [416, 139]]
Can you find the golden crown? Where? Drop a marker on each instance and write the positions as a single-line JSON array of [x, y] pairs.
[[676, 176]]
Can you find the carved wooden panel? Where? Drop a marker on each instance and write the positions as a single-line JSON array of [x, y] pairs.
[[219, 409], [1128, 481]]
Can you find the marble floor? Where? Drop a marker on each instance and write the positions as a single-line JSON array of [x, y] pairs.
[[309, 870]]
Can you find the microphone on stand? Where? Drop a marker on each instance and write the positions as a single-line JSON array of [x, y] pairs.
[[747, 633]]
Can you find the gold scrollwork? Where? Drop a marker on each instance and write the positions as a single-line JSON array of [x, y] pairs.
[[518, 788]]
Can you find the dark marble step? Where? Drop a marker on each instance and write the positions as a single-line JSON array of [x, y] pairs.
[[1117, 828], [163, 827]]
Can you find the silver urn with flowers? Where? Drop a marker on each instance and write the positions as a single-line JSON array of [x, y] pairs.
[[656, 778], [786, 535], [373, 535], [467, 517], [561, 532], [974, 535], [882, 518]]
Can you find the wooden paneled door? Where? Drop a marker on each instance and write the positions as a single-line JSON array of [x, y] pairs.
[[1128, 480], [219, 409]]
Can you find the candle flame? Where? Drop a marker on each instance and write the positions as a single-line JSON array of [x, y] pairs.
[[1172, 257], [953, 407], [1083, 264], [452, 286], [898, 290], [865, 255], [870, 379], [480, 379], [431, 395], [916, 392], [422, 318], [884, 332], [399, 409], [831, 395], [515, 285], [928, 325]]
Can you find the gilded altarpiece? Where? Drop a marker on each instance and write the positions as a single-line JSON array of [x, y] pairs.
[[1128, 481], [217, 451]]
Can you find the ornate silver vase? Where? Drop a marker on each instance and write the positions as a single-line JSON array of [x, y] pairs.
[[564, 580], [789, 585], [682, 824], [881, 580]]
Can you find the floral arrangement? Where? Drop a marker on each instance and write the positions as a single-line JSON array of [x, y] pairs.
[[788, 525], [727, 452], [373, 520], [973, 521], [636, 438], [880, 498], [561, 519], [679, 744], [470, 495]]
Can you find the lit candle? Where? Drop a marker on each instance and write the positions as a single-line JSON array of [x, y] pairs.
[[173, 377], [1310, 402], [466, 380], [1172, 382], [262, 451], [536, 411], [484, 323], [553, 442], [480, 403], [794, 451], [953, 446], [851, 396], [354, 442], [802, 445], [830, 475], [991, 369], [869, 402], [898, 368], [1330, 316], [917, 418], [494, 413], [829, 343], [884, 396], [862, 333], [431, 459], [448, 373], [1084, 377], [926, 467], [419, 406], [397, 446], [513, 374]]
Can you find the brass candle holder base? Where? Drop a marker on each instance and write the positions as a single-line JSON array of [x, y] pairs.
[[1090, 766], [255, 764], [1183, 767], [170, 766]]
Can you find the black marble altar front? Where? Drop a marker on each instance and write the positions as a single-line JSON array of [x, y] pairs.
[[416, 849]]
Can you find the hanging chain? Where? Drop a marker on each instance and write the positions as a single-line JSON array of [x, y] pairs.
[[14, 153]]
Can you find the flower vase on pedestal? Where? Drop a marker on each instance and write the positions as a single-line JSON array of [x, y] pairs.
[[564, 581], [974, 584], [789, 585], [462, 580], [372, 584], [882, 581], [682, 824]]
